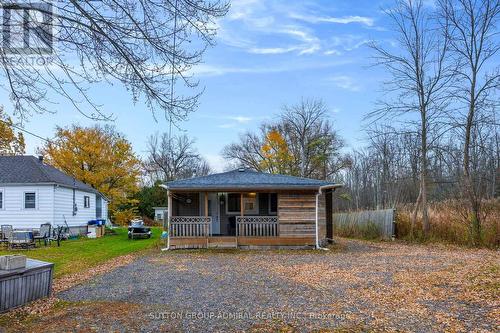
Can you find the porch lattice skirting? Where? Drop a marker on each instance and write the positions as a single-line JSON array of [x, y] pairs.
[[190, 226], [257, 226]]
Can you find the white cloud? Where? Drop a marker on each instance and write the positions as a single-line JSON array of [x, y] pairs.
[[345, 82], [256, 25], [348, 42], [232, 121], [332, 52], [219, 70], [272, 50], [368, 21], [216, 162], [240, 119], [229, 125]]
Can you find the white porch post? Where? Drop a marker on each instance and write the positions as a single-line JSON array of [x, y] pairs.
[[169, 215]]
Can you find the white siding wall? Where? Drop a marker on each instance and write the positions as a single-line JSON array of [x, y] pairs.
[[104, 209], [13, 212], [63, 207], [53, 203]]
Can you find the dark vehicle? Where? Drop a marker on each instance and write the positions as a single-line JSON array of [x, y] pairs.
[[137, 229]]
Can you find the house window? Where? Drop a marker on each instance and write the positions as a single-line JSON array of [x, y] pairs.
[[98, 207], [233, 203], [1, 199], [86, 202], [249, 203], [29, 200], [273, 203]]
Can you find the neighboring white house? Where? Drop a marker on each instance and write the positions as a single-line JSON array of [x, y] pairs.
[[33, 193], [160, 213]]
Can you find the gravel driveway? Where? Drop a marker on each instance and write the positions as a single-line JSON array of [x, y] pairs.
[[355, 286]]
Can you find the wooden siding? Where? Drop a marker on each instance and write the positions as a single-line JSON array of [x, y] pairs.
[[322, 218], [297, 214], [227, 241], [276, 241]]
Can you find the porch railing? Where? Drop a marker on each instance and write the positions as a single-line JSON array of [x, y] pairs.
[[257, 226], [190, 226]]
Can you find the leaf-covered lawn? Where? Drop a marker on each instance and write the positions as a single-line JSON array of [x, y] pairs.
[[74, 256], [356, 286]]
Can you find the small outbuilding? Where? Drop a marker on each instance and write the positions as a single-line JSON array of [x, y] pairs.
[[160, 213], [246, 208]]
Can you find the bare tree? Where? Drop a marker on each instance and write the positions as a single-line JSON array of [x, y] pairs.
[[419, 78], [144, 45], [314, 146], [174, 158], [301, 121], [473, 35], [312, 140], [248, 151]]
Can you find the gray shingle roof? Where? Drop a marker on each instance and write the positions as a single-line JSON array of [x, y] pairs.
[[246, 180], [30, 170]]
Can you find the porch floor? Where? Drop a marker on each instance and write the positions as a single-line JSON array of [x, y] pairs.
[[235, 242]]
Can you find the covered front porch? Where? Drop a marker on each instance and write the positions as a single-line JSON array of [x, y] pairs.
[[199, 214], [241, 219], [245, 208]]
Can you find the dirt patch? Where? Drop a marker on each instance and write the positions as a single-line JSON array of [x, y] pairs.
[[16, 317], [358, 286]]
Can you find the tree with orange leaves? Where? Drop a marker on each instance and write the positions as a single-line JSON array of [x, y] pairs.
[[102, 158], [276, 155], [10, 142]]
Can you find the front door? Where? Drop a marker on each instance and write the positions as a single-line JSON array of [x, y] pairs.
[[213, 212]]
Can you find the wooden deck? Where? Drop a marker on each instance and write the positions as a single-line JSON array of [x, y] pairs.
[[237, 242]]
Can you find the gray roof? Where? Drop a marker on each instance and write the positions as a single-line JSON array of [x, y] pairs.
[[246, 179], [20, 170]]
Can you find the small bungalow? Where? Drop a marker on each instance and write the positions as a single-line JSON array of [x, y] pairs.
[[34, 193], [246, 208]]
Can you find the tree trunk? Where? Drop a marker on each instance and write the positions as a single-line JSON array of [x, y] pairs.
[[423, 175], [470, 193], [414, 215], [425, 213]]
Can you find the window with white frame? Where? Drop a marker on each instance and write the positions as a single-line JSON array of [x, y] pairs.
[[86, 201], [29, 200], [250, 205]]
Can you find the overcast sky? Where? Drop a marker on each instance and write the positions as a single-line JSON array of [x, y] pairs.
[[268, 53]]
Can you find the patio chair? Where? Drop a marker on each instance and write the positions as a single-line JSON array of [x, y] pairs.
[[45, 233], [21, 239], [6, 233]]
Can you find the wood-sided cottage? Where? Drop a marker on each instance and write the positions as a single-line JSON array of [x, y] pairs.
[[245, 208]]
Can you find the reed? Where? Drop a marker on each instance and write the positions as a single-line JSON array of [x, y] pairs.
[[450, 223]]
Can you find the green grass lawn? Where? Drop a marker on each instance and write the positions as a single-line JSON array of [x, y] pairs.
[[80, 254]]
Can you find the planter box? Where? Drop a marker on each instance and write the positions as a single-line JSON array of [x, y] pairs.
[[24, 285], [10, 262], [95, 231]]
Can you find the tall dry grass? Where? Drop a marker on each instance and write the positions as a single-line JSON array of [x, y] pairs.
[[449, 223]]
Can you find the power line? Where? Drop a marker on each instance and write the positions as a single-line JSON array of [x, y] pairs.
[[26, 131]]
